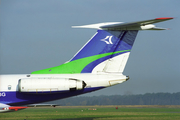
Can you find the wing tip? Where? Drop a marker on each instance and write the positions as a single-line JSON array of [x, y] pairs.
[[164, 18]]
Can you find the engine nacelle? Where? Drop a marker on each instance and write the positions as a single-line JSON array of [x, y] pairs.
[[49, 85]]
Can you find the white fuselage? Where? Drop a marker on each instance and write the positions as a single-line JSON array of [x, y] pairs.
[[9, 83]]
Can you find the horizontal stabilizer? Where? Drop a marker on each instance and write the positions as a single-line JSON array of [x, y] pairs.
[[139, 25]]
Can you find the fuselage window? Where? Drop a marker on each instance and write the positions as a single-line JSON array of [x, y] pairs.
[[9, 87]]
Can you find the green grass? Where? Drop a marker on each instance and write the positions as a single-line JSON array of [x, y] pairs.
[[101, 113]]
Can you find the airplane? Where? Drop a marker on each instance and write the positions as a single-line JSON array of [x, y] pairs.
[[98, 64]]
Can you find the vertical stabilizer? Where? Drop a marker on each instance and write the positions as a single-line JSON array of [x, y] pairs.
[[106, 51]]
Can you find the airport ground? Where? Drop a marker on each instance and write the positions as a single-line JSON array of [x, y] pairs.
[[119, 112]]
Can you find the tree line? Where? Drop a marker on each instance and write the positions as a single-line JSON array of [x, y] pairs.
[[140, 99]]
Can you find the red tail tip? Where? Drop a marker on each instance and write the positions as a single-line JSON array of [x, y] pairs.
[[164, 18]]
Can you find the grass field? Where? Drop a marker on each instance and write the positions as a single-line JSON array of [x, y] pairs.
[[95, 113]]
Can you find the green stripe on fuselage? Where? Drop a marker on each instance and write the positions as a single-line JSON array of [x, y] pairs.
[[75, 66]]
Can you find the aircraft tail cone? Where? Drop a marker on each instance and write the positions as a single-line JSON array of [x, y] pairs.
[[127, 78]]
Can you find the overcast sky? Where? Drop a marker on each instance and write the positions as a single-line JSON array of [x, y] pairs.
[[37, 34]]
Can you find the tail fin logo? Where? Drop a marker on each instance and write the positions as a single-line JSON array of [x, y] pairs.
[[107, 40]]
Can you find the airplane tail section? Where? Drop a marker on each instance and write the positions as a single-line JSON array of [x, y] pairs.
[[107, 51]]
